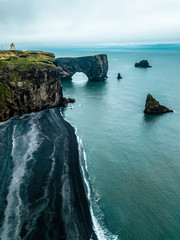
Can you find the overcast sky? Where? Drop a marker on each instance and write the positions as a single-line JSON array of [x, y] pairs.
[[71, 22]]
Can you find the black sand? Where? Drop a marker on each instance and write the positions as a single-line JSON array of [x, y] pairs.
[[79, 199], [53, 204]]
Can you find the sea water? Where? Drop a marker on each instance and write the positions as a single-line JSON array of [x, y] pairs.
[[133, 160]]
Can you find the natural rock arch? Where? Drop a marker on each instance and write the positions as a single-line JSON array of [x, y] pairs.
[[95, 67], [79, 78]]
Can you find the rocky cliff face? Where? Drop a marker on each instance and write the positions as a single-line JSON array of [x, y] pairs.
[[95, 67], [29, 81]]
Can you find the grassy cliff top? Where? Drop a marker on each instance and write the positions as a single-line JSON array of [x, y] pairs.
[[22, 60]]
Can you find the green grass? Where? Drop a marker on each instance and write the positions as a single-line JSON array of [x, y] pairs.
[[4, 90], [23, 60], [13, 64]]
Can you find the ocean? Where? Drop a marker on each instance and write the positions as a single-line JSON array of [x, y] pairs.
[[132, 159], [129, 162]]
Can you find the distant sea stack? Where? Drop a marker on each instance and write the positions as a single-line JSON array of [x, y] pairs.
[[143, 64], [95, 67], [119, 76], [29, 82], [153, 106]]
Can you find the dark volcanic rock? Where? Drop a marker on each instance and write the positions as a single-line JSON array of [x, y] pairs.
[[68, 100], [95, 67], [153, 106], [71, 100], [29, 82], [143, 64], [119, 76]]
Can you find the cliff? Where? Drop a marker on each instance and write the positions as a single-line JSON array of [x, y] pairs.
[[95, 67], [29, 81]]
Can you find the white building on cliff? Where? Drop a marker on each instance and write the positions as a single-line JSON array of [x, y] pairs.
[[12, 46]]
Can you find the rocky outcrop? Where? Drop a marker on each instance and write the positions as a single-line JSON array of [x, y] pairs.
[[70, 100], [95, 67], [153, 106], [29, 81], [119, 76], [143, 64]]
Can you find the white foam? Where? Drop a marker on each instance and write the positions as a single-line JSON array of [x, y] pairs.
[[97, 218], [14, 202], [101, 232]]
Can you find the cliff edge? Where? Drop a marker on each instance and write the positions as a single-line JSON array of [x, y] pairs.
[[29, 81]]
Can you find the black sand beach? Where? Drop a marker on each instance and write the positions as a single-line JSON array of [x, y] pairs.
[[44, 198]]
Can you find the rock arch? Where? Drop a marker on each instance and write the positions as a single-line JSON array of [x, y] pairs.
[[95, 67]]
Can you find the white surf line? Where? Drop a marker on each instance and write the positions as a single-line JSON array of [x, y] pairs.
[[13, 211], [101, 232]]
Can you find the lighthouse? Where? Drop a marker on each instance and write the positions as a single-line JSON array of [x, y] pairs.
[[12, 46]]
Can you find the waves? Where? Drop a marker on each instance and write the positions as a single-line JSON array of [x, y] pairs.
[[96, 215], [29, 188], [23, 148]]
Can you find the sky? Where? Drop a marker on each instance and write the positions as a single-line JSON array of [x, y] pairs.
[[89, 22]]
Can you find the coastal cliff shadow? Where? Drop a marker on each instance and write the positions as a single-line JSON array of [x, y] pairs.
[[67, 84], [88, 87], [96, 87]]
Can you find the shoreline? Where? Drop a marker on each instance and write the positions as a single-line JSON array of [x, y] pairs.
[[83, 220]]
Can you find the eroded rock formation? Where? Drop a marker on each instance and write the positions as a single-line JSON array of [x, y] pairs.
[[95, 67], [119, 76], [29, 81], [143, 64], [153, 106]]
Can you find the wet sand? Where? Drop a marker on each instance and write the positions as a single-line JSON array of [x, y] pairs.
[[47, 200], [79, 203]]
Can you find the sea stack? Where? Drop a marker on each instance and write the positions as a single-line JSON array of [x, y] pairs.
[[95, 67], [143, 64], [153, 106], [119, 76]]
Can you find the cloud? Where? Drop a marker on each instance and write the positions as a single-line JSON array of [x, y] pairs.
[[84, 21]]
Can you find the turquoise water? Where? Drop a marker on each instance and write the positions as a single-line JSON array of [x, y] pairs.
[[133, 160]]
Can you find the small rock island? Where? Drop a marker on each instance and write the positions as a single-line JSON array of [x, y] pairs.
[[143, 64], [153, 106], [119, 76]]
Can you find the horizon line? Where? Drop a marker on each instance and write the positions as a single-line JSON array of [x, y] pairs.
[[96, 45]]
